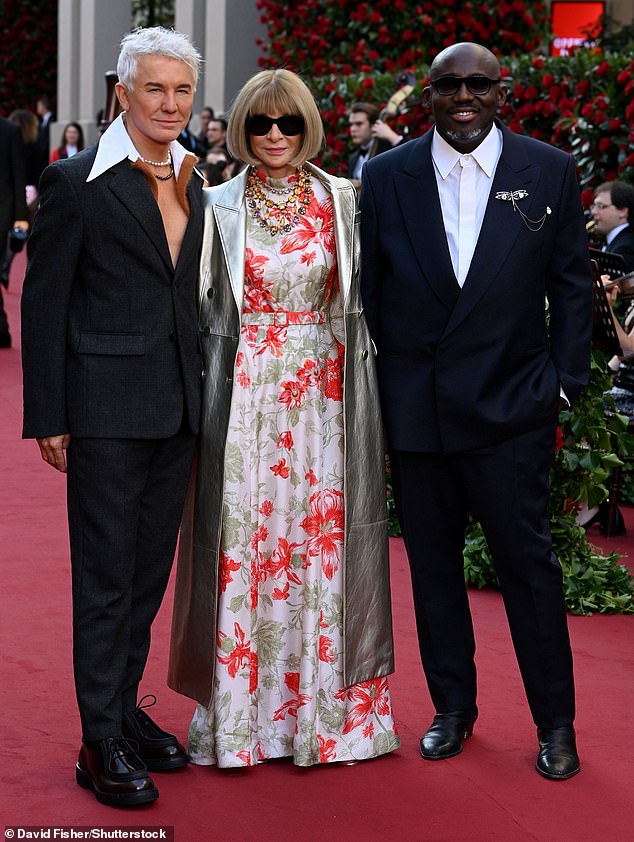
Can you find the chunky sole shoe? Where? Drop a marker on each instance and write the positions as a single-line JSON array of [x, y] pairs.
[[124, 799]]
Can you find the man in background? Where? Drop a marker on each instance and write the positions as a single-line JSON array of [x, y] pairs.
[[613, 213], [369, 134], [13, 209]]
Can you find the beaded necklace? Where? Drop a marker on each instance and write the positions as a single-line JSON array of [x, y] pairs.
[[278, 217]]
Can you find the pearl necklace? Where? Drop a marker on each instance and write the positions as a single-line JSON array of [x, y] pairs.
[[167, 163], [278, 217]]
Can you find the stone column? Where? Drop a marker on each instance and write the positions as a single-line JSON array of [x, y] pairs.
[[90, 32], [225, 32]]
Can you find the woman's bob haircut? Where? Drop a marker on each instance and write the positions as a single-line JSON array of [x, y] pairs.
[[274, 92]]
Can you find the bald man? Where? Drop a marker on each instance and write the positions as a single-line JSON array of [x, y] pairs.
[[465, 232]]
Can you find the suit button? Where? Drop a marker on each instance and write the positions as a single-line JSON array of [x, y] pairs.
[[364, 355], [211, 292], [206, 331], [203, 373], [229, 381]]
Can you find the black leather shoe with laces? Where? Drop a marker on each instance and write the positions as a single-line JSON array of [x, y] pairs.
[[446, 734], [557, 758], [159, 750], [112, 769]]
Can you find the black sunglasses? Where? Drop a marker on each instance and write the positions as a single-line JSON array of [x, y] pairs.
[[476, 84], [290, 124]]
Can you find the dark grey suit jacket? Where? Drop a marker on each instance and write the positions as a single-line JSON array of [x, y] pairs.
[[623, 244], [109, 326]]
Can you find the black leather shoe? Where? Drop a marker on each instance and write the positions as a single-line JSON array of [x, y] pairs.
[[445, 735], [159, 750], [557, 758], [115, 773]]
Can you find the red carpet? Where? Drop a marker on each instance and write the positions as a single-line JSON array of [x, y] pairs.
[[490, 792]]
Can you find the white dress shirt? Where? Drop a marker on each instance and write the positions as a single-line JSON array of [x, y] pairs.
[[464, 183], [116, 145]]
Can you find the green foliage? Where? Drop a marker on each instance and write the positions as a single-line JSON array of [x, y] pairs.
[[28, 53]]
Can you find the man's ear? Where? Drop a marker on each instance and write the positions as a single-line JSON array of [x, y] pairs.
[[426, 96], [502, 93], [122, 95]]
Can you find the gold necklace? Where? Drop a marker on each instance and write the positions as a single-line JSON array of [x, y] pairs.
[[278, 217]]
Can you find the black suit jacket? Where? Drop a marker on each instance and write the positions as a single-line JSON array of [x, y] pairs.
[[109, 326], [623, 244], [12, 177], [464, 368], [381, 146]]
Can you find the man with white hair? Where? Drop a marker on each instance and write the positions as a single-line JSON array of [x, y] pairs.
[[112, 391]]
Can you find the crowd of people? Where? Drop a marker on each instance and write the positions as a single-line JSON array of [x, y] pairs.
[[232, 362]]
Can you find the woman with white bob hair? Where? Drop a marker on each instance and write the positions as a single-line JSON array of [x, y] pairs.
[[282, 624]]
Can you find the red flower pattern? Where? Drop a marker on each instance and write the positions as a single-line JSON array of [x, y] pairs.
[[324, 525]]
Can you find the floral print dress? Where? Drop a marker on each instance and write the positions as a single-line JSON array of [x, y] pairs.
[[278, 686]]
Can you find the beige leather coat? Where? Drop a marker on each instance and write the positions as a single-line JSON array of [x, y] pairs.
[[367, 619]]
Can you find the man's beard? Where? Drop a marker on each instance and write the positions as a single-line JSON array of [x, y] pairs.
[[467, 134]]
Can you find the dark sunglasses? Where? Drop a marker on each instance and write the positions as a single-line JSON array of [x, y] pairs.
[[290, 124], [449, 85]]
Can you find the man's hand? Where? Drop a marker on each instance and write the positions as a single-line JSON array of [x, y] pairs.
[[384, 132], [21, 223], [53, 450]]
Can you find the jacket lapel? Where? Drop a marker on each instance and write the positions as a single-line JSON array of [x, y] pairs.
[[191, 239], [130, 187], [231, 220], [417, 193], [501, 224]]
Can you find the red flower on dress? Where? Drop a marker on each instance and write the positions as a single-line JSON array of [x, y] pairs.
[[226, 567], [324, 524], [285, 440], [291, 679], [370, 697], [266, 508], [273, 341], [280, 562], [253, 672], [368, 731], [334, 381], [282, 593], [281, 469], [316, 226], [245, 757], [310, 476], [260, 534], [325, 650], [310, 373], [257, 293], [243, 379], [308, 257], [326, 749], [292, 394], [239, 656]]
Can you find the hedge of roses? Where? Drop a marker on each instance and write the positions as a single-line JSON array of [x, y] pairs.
[[582, 103], [28, 52], [342, 36]]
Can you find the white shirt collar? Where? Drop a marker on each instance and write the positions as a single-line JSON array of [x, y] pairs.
[[615, 232], [116, 145], [486, 154]]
